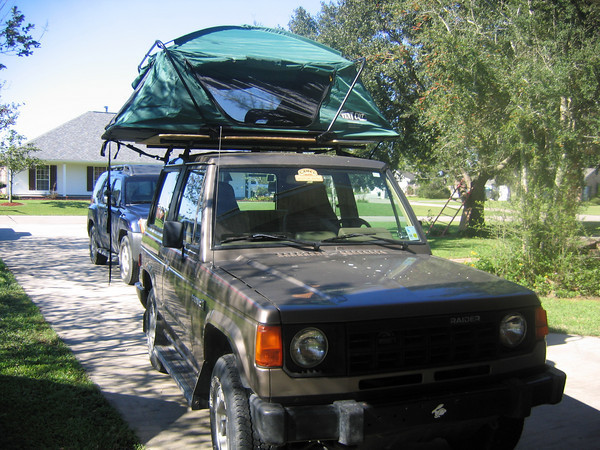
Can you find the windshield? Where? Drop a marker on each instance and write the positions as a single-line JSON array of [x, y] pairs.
[[308, 204], [140, 189]]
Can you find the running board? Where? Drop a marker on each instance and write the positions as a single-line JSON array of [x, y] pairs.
[[179, 370]]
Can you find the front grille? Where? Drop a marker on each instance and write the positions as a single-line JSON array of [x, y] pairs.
[[387, 346]]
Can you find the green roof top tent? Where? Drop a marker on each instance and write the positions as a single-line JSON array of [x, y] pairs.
[[241, 86]]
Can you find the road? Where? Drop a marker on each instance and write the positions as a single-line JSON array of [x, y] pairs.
[[101, 323]]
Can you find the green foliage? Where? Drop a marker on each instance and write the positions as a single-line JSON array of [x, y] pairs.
[[365, 29], [16, 157], [539, 245], [435, 188], [46, 399], [478, 89], [15, 37]]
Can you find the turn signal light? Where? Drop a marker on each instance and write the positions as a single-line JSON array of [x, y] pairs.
[[541, 323], [269, 347]]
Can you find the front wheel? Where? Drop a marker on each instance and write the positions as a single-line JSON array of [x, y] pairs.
[[230, 420], [128, 265], [96, 257]]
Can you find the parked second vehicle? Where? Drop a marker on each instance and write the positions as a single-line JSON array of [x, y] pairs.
[[129, 197]]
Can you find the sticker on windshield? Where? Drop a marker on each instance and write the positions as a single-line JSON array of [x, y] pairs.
[[412, 233], [309, 176]]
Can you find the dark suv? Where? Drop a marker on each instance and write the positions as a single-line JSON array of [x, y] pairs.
[[311, 309], [129, 197]]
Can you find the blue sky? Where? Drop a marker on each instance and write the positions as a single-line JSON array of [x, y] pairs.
[[90, 50]]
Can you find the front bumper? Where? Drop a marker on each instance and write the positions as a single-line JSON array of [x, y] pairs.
[[350, 422]]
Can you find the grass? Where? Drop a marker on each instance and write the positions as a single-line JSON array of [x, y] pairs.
[[46, 208], [79, 208], [46, 398], [573, 315], [453, 247]]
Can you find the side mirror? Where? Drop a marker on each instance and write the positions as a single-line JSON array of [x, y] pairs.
[[172, 234]]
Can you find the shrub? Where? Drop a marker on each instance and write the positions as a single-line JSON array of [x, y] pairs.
[[435, 188], [539, 245]]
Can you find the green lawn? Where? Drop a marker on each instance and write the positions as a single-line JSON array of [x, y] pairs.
[[46, 208], [46, 398], [573, 315], [79, 207]]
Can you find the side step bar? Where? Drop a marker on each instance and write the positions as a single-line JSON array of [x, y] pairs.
[[179, 370]]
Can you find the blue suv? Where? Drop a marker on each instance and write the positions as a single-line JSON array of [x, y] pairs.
[[129, 197]]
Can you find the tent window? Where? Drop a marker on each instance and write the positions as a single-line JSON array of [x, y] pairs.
[[287, 99]]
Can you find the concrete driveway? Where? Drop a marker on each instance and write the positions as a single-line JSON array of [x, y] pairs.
[[102, 325]]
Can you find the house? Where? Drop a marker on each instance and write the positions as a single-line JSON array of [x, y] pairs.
[[407, 182], [72, 160]]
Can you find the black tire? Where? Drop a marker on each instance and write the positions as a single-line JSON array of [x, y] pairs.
[[128, 265], [96, 257], [230, 419], [154, 332], [503, 434]]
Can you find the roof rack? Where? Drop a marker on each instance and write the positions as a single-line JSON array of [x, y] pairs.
[[248, 141], [136, 169]]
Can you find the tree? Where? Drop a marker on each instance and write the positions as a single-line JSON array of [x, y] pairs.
[[16, 40], [481, 87], [15, 37], [362, 29], [16, 157]]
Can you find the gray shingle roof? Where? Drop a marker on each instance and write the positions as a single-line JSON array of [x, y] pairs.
[[78, 140]]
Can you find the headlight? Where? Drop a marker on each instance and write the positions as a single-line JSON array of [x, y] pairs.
[[309, 347], [513, 329]]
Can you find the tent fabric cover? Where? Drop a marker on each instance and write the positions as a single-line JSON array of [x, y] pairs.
[[250, 81]]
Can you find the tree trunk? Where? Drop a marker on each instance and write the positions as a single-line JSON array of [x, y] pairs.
[[10, 185], [472, 221]]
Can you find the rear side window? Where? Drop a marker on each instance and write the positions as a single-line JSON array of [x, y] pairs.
[[191, 206], [98, 195], [164, 200]]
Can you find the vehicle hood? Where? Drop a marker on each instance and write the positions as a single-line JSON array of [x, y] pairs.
[[140, 210], [372, 284]]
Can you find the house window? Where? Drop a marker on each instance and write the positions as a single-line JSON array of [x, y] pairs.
[[93, 173], [42, 178]]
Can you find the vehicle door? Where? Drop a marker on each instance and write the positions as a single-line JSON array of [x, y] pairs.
[[115, 210], [184, 297], [154, 254], [102, 211]]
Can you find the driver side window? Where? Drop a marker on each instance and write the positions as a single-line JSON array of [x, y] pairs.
[[164, 200]]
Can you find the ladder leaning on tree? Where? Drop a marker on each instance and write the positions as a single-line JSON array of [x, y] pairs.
[[446, 218]]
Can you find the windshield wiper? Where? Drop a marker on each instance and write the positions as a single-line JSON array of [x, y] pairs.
[[372, 236], [315, 246]]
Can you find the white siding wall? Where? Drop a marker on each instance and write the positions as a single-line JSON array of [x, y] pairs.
[[71, 180]]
